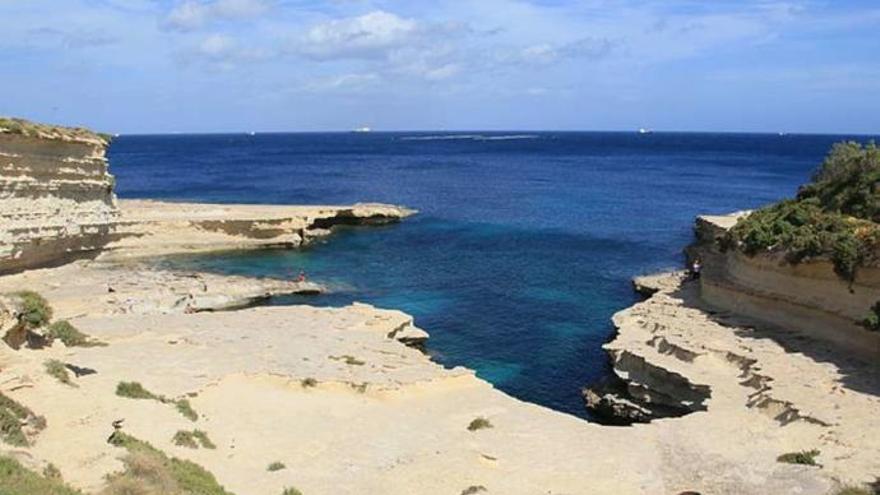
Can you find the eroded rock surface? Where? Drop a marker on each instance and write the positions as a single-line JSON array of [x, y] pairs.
[[56, 195]]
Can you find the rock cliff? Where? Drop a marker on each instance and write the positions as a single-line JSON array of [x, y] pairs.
[[56, 195], [808, 296]]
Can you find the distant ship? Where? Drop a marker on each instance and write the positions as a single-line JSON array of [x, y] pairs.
[[362, 129], [642, 130]]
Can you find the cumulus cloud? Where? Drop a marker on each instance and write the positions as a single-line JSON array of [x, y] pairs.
[[366, 36], [193, 14]]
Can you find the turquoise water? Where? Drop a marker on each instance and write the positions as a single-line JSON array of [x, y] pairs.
[[523, 247]]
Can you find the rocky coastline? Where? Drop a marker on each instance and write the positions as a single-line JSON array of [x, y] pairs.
[[342, 399]]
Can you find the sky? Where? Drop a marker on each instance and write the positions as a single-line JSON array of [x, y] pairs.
[[151, 66]]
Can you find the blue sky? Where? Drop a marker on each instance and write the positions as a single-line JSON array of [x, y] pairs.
[[302, 65]]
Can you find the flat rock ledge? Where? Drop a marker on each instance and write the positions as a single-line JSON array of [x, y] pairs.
[[675, 356]]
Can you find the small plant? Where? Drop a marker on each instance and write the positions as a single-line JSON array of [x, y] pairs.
[[805, 457], [479, 424], [193, 439], [185, 439], [184, 407], [473, 489], [70, 335], [58, 370], [276, 466], [203, 439], [872, 321], [13, 417], [134, 390], [35, 310], [15, 479], [149, 470], [52, 472], [308, 382], [291, 491]]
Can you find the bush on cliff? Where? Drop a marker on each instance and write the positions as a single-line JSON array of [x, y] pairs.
[[834, 217], [70, 335], [15, 479], [35, 310]]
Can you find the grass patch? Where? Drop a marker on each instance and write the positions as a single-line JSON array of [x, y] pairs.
[[805, 457], [473, 489], [308, 382], [149, 470], [134, 390], [15, 479], [479, 423], [193, 439], [276, 466], [35, 310], [291, 491], [57, 369], [13, 416], [32, 129], [203, 439], [184, 407], [52, 472], [185, 439], [71, 336]]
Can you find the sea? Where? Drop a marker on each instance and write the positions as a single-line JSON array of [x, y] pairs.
[[525, 243]]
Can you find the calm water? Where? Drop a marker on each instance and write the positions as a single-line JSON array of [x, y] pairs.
[[523, 248]]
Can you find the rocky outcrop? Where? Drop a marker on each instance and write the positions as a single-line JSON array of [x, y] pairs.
[[152, 228], [56, 195], [808, 296]]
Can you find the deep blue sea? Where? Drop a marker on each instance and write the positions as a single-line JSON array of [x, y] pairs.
[[525, 242]]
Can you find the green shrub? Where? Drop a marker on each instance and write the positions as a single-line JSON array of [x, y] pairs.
[[70, 335], [134, 390], [834, 217], [291, 491], [149, 470], [805, 457], [15, 479], [185, 439], [58, 370], [308, 382], [473, 489], [872, 320], [12, 417], [35, 310], [52, 472], [203, 439], [276, 466], [479, 424], [184, 407]]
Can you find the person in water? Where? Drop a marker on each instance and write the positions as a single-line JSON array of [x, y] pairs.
[[301, 277]]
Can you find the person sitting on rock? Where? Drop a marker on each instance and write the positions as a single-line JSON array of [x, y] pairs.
[[301, 277]]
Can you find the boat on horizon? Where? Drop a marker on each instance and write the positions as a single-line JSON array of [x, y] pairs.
[[362, 129], [642, 130]]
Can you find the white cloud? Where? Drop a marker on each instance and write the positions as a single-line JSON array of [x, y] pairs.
[[367, 36], [194, 14], [344, 83]]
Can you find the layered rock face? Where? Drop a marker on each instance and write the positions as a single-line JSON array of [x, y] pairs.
[[808, 296], [56, 195]]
